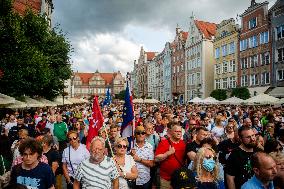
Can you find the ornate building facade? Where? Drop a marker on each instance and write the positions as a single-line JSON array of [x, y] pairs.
[[255, 65], [226, 55], [88, 84]]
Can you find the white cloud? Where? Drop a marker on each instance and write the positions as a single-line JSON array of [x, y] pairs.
[[105, 52]]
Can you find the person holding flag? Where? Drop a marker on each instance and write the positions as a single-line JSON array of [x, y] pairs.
[[96, 122], [107, 100], [127, 116]]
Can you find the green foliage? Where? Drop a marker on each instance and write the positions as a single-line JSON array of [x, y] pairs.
[[241, 92], [34, 58], [120, 95], [219, 94]]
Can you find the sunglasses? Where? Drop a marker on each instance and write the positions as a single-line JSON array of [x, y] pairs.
[[140, 133], [73, 138], [121, 146]]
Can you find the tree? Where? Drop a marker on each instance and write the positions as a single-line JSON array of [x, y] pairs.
[[34, 58], [120, 95], [241, 92], [219, 94]]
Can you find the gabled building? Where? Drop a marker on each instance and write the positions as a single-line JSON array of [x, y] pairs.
[[134, 79], [142, 71], [276, 14], [88, 84], [44, 7], [178, 65], [226, 55], [152, 82], [159, 79], [199, 59], [255, 65], [167, 74]]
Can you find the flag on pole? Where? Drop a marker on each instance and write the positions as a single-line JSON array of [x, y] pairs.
[[127, 116], [107, 100], [96, 122]]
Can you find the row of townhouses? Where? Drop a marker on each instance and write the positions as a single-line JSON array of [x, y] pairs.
[[216, 56]]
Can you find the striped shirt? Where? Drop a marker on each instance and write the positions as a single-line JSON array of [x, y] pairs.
[[97, 175]]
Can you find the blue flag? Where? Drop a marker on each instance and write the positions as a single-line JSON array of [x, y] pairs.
[[107, 100], [127, 115]]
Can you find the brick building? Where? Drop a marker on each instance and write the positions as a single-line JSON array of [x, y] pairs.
[[255, 66], [88, 84], [37, 6], [178, 65], [142, 72]]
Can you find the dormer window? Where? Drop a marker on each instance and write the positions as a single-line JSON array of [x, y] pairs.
[[223, 33]]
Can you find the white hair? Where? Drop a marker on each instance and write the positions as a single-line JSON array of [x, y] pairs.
[[97, 138]]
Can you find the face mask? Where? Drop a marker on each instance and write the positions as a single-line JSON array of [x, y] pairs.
[[224, 123], [208, 164]]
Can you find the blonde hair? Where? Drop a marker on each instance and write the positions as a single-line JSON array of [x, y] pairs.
[[118, 140], [277, 156], [218, 119], [197, 166]]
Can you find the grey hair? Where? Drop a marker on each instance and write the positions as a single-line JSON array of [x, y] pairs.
[[97, 138]]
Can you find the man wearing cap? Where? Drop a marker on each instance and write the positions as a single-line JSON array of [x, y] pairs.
[[143, 154]]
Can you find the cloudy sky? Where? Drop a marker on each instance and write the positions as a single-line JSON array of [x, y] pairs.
[[107, 34]]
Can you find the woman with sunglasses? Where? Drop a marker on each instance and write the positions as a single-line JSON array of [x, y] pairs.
[[125, 163], [206, 167], [72, 156]]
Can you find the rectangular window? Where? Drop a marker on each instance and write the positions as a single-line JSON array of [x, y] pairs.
[[280, 53], [232, 66], [225, 83], [280, 32], [265, 58], [217, 52], [280, 75], [244, 80], [198, 78], [253, 61], [217, 84], [217, 69], [243, 44], [225, 67], [232, 83], [198, 62], [232, 48], [174, 69], [253, 41], [265, 78], [264, 37], [224, 50], [254, 79], [244, 63], [253, 23]]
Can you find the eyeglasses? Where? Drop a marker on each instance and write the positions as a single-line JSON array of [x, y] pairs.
[[72, 138], [140, 133], [121, 146], [177, 131]]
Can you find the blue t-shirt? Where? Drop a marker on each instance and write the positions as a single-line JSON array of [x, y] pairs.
[[40, 177]]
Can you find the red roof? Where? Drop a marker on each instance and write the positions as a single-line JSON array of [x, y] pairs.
[[150, 55], [108, 77], [184, 35], [208, 29], [85, 77], [20, 6]]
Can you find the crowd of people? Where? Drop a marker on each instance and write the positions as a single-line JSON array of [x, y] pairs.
[[172, 146]]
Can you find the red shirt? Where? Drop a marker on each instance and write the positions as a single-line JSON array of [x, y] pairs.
[[169, 165]]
